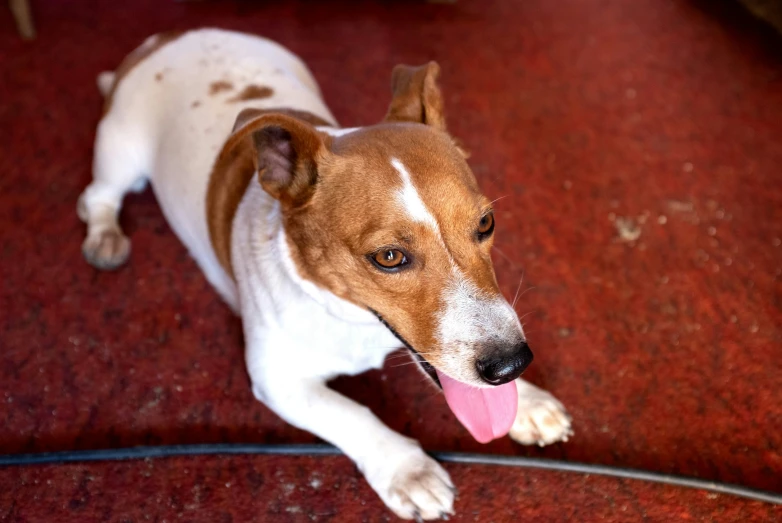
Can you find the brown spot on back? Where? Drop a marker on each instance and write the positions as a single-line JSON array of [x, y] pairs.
[[134, 58], [233, 170], [253, 92], [220, 86], [158, 77], [195, 104]]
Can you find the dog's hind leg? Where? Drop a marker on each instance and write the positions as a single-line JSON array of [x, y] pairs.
[[118, 167]]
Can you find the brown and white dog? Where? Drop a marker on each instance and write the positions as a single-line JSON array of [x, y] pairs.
[[334, 245]]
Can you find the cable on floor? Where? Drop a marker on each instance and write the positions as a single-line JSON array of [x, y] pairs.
[[167, 451]]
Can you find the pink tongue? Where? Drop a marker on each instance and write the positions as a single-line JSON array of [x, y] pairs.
[[487, 413]]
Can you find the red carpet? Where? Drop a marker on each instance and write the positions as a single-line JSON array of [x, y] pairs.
[[661, 120], [259, 488]]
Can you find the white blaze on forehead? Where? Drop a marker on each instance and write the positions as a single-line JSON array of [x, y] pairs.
[[331, 131], [410, 199]]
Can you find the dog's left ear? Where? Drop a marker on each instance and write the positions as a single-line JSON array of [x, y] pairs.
[[416, 96]]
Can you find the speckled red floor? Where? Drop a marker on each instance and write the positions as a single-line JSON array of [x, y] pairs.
[[638, 145]]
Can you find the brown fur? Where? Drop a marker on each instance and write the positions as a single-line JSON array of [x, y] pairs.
[[234, 168], [416, 96], [252, 92], [134, 58], [219, 86]]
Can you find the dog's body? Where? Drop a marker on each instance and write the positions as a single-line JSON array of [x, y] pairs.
[[307, 256]]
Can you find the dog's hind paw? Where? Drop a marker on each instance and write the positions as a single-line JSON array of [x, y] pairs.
[[418, 489], [541, 419], [106, 250]]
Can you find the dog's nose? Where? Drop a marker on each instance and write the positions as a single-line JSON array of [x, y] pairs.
[[504, 365]]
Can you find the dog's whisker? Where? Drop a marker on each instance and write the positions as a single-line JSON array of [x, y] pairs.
[[526, 314], [498, 199], [403, 364], [397, 357], [507, 258], [406, 352], [411, 356], [525, 291], [516, 296]]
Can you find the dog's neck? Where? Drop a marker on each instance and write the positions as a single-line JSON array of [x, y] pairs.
[[270, 248]]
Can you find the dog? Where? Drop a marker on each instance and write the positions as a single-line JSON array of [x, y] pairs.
[[335, 246]]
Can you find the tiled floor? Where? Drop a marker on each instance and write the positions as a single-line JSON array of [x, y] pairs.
[[638, 145]]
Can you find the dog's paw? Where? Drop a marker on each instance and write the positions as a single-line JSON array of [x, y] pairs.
[[416, 488], [106, 250], [541, 419]]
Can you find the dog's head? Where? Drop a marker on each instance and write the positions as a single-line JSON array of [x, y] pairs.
[[390, 218]]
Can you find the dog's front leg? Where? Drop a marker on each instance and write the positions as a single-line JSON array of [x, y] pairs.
[[410, 483], [541, 418]]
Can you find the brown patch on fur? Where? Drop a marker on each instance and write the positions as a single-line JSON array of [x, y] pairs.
[[234, 168], [196, 103], [134, 58], [253, 92], [158, 77], [232, 172], [219, 86]]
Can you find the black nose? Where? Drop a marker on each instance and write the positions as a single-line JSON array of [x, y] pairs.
[[504, 365]]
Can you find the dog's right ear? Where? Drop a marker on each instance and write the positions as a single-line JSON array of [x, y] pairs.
[[416, 96], [287, 151]]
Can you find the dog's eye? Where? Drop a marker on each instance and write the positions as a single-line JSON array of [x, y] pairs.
[[486, 226], [389, 259]]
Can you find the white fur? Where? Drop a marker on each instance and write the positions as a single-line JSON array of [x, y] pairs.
[[164, 125], [541, 418], [337, 132], [409, 198]]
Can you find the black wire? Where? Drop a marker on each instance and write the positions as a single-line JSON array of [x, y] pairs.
[[328, 450]]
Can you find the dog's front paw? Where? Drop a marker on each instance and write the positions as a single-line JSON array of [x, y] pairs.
[[415, 487], [106, 250], [541, 419]]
